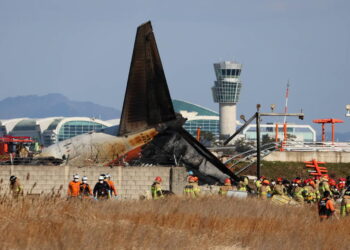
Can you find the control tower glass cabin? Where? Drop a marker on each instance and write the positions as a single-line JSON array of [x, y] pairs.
[[226, 92]]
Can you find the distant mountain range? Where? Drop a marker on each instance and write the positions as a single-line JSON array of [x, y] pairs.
[[34, 106]]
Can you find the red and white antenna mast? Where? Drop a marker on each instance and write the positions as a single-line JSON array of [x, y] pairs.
[[285, 118], [286, 105]]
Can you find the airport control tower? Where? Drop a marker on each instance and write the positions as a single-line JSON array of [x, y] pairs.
[[226, 92]]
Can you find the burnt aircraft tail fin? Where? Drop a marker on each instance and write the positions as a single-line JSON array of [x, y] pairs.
[[147, 99]]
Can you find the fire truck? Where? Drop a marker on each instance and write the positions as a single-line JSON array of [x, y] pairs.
[[16, 149]]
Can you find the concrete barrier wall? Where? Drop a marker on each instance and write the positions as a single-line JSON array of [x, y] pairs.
[[329, 157], [131, 182]]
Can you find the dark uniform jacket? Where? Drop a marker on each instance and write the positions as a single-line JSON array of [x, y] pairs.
[[101, 190]]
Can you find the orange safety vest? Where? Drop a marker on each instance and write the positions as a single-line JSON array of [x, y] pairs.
[[325, 208], [85, 189], [74, 189]]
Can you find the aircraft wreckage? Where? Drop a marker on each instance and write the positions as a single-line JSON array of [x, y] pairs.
[[148, 123]]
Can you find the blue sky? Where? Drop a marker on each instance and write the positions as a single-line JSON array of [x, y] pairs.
[[82, 49]]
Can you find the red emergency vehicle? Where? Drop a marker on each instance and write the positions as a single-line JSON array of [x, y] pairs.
[[10, 144]]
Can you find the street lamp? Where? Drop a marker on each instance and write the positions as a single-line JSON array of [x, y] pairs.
[[272, 107], [243, 118]]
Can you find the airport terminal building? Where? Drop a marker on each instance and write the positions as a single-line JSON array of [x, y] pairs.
[[198, 117], [50, 130]]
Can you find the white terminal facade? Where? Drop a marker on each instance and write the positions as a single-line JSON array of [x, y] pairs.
[[226, 92]]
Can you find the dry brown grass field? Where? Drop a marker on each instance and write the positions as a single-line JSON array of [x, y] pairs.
[[206, 223]]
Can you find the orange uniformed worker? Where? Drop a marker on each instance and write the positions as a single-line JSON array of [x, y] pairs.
[[326, 206], [113, 190], [85, 190], [74, 187]]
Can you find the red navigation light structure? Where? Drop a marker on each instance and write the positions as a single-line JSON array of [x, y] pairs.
[[317, 170], [323, 121]]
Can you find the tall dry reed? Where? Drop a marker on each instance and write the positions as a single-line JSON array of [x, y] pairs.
[[207, 223]]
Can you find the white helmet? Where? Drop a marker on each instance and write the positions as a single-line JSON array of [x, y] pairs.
[[108, 175], [84, 178], [101, 178], [76, 176]]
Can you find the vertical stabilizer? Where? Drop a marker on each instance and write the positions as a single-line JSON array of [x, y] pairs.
[[147, 99]]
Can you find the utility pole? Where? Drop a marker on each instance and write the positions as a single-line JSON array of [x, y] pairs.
[[258, 144]]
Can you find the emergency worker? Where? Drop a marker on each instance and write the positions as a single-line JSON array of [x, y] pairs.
[[258, 184], [16, 188], [189, 190], [292, 186], [324, 185], [101, 189], [85, 190], [279, 188], [326, 206], [317, 191], [295, 184], [226, 187], [156, 189], [111, 185], [196, 188], [341, 184], [317, 181], [189, 174], [272, 185], [265, 190], [309, 191], [74, 187], [288, 187], [243, 183], [345, 204], [23, 152], [298, 191], [334, 189], [105, 178]]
